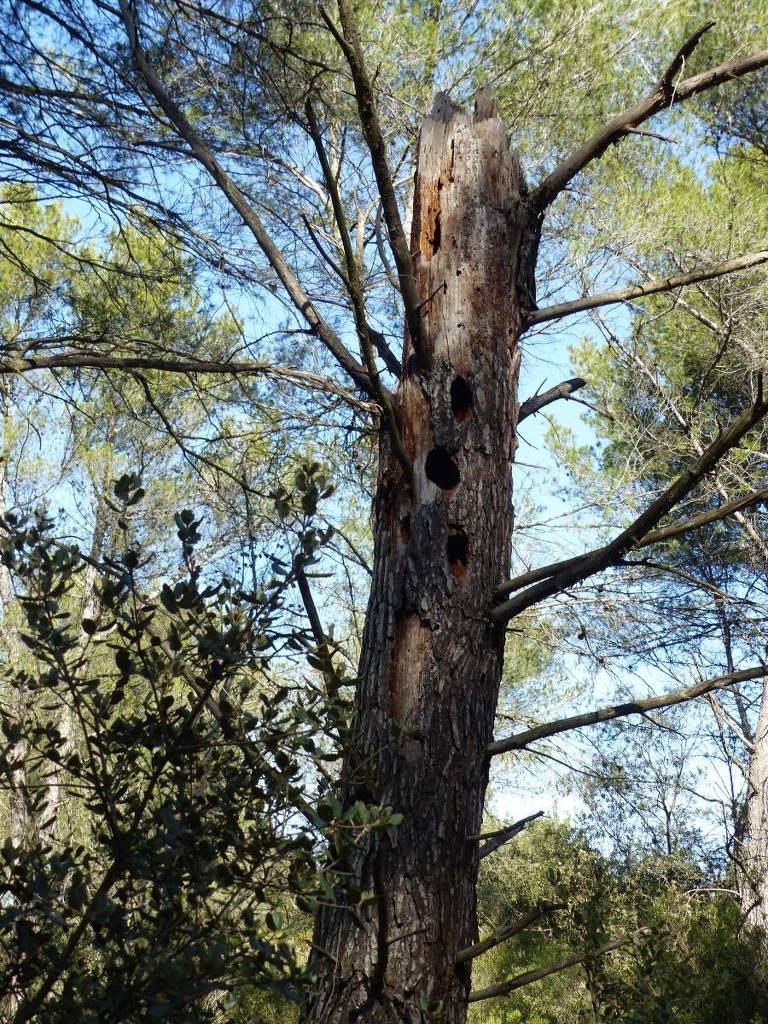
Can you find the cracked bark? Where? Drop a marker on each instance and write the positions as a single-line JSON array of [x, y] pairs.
[[431, 658], [754, 856]]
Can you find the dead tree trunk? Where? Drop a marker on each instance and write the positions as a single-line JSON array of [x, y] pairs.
[[431, 659]]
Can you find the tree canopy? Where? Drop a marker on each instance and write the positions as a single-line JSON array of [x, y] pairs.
[[270, 276]]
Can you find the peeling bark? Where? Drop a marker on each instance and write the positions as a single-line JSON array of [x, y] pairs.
[[431, 659]]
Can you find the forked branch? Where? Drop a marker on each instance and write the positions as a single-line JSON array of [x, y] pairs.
[[664, 533], [636, 707], [494, 840], [562, 575], [537, 402], [667, 93]]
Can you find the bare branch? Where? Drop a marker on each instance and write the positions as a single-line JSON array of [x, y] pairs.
[[508, 931], [562, 575], [494, 840], [505, 987], [666, 94], [666, 83], [715, 515], [369, 120], [537, 402], [321, 638], [637, 291], [325, 256], [354, 284], [391, 275], [389, 358], [652, 537], [236, 199], [75, 360], [637, 707]]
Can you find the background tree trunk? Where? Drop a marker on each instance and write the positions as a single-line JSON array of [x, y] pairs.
[[18, 812], [755, 852], [431, 659]]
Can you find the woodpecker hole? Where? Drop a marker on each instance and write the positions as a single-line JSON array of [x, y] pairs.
[[441, 469], [405, 529], [436, 234], [412, 366], [461, 399], [457, 550]]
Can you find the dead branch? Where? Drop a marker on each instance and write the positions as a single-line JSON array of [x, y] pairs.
[[391, 275], [637, 707], [388, 357], [505, 987], [573, 570], [494, 840], [666, 94], [637, 291], [537, 402], [508, 931]]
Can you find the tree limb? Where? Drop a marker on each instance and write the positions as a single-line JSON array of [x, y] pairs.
[[715, 515], [505, 987], [507, 931], [637, 707], [319, 634], [636, 291], [354, 284], [494, 840], [652, 537], [388, 357], [236, 199], [391, 275], [233, 368], [666, 94], [559, 576], [537, 402], [369, 120]]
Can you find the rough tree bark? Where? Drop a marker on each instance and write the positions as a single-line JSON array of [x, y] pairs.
[[18, 807], [431, 659], [754, 855]]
